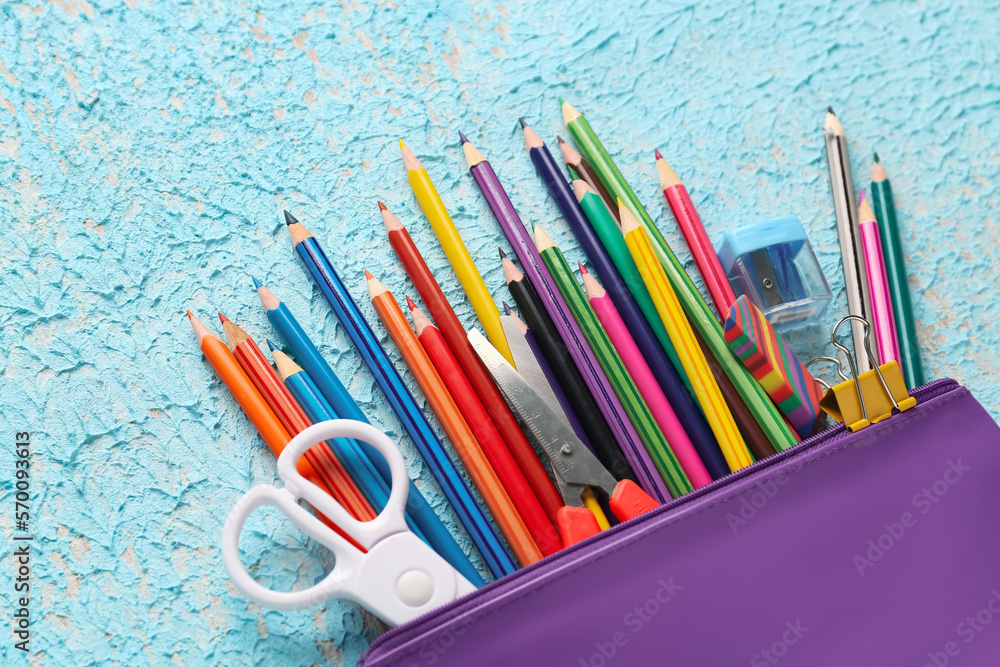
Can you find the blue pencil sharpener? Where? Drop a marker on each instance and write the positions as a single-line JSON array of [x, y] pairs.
[[774, 265]]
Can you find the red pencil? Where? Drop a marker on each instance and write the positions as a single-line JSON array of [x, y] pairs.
[[454, 333], [436, 347], [329, 469], [696, 236]]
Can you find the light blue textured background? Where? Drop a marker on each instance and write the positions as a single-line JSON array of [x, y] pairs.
[[146, 148]]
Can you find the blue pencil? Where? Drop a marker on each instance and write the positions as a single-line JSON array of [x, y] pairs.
[[688, 412], [418, 510], [442, 467]]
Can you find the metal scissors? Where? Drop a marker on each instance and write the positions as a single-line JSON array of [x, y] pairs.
[[574, 467], [398, 579]]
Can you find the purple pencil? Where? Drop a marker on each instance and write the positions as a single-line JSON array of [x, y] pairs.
[[524, 247], [553, 381]]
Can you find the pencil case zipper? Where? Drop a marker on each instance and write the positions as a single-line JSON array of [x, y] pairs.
[[496, 589]]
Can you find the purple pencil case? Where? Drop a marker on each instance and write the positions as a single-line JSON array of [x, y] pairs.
[[875, 548]]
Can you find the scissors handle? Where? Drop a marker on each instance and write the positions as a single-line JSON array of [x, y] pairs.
[[399, 577]]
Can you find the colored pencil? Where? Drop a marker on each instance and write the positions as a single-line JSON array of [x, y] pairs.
[[636, 365], [599, 434], [417, 507], [316, 408], [512, 438], [254, 406], [453, 423], [709, 396], [561, 404], [655, 450], [402, 402], [322, 456], [454, 248], [696, 237], [614, 243], [582, 171], [701, 317], [882, 318], [855, 274], [457, 383], [659, 361], [551, 299], [895, 264]]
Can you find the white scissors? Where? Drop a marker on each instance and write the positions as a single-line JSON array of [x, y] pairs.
[[398, 579]]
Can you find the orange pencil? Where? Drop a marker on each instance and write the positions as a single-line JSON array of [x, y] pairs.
[[321, 457], [253, 405], [454, 424]]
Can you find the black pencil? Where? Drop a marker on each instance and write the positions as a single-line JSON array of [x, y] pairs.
[[570, 380]]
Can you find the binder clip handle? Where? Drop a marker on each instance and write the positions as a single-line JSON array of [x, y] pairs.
[[860, 400]]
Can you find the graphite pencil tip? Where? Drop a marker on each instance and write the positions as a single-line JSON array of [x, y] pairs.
[[381, 206], [876, 158], [271, 345], [657, 153], [409, 302], [223, 318], [503, 255], [464, 139], [830, 110], [289, 218]]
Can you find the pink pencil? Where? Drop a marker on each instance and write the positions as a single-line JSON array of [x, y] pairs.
[[644, 380], [697, 238], [883, 322]]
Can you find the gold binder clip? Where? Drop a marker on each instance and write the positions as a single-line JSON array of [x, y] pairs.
[[869, 398]]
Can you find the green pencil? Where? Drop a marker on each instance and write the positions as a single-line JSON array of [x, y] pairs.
[[702, 318], [611, 238], [614, 368], [895, 265]]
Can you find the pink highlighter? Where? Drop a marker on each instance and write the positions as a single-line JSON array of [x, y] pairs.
[[883, 323]]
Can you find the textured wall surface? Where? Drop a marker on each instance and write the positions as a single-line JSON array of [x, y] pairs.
[[147, 147]]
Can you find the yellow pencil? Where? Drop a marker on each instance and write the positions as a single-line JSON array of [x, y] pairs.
[[458, 255], [679, 329]]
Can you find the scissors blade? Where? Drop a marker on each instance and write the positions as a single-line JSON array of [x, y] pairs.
[[574, 466], [527, 366]]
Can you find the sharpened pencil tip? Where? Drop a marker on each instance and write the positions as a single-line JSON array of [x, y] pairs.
[[402, 145], [503, 255], [190, 314], [368, 275], [876, 158], [583, 269], [506, 308], [657, 153], [271, 345], [561, 101], [830, 110], [521, 121], [381, 206], [223, 318], [464, 139], [409, 302], [861, 197], [560, 140], [256, 283], [289, 218]]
